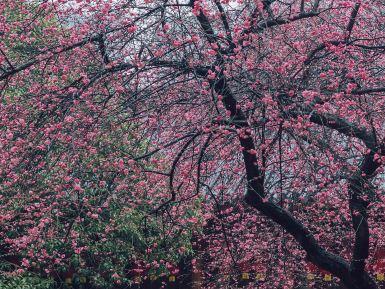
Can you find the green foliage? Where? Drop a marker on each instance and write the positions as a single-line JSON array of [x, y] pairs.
[[26, 281]]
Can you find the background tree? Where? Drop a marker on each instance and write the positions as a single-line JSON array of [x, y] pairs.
[[67, 199]]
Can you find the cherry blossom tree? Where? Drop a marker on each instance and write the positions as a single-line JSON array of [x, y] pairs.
[[260, 121]]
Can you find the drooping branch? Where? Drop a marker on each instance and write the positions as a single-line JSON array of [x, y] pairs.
[[171, 174], [225, 23], [362, 91], [281, 21], [103, 50], [360, 190], [352, 21], [254, 176], [336, 123]]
